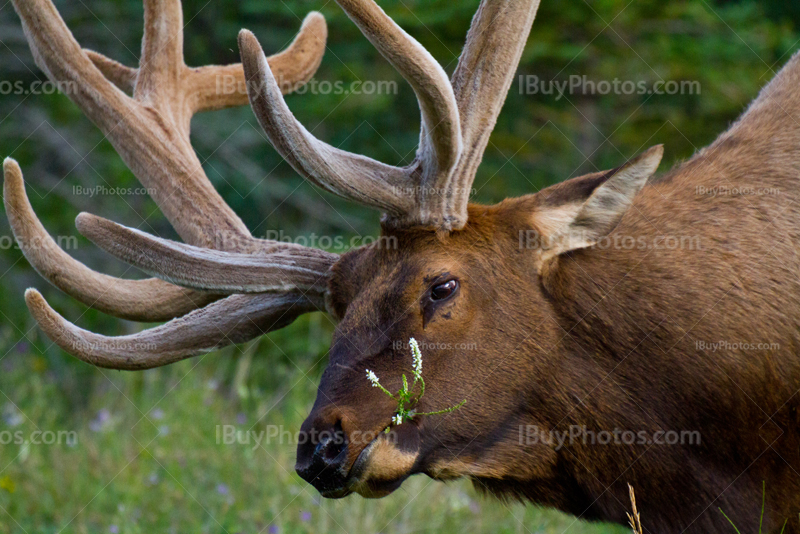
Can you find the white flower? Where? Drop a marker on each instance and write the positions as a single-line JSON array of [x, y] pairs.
[[417, 356], [372, 377], [397, 420]]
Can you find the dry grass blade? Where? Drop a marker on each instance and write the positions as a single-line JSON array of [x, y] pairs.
[[634, 520]]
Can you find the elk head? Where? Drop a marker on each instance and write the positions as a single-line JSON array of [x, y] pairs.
[[449, 278]]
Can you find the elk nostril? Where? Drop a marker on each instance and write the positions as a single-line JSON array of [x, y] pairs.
[[321, 459], [332, 445]]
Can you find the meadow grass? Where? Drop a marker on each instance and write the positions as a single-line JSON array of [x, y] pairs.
[[761, 520], [149, 457]]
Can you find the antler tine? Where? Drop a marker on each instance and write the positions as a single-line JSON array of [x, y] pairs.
[[287, 267], [355, 177], [440, 139], [294, 66], [151, 134], [235, 319], [414, 195], [114, 71], [149, 300], [215, 87], [482, 79], [161, 65]]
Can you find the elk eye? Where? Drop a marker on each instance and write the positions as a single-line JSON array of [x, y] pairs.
[[445, 290]]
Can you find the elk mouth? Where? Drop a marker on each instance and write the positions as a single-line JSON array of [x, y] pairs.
[[383, 465]]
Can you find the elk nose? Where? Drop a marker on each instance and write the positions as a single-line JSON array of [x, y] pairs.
[[322, 458]]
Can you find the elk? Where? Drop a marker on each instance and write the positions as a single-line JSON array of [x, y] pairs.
[[567, 333]]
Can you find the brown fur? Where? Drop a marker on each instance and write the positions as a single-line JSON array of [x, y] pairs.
[[605, 338]]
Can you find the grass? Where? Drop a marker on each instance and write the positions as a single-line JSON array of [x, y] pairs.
[[761, 521], [148, 458], [634, 518]]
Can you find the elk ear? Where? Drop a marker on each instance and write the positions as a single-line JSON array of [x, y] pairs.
[[577, 213]]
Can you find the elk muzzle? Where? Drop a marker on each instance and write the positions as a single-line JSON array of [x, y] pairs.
[[338, 458]]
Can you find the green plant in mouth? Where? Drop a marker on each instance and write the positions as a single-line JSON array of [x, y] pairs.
[[406, 400]]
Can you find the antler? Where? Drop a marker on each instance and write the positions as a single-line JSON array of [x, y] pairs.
[[137, 300], [286, 267], [235, 319], [457, 118], [150, 131], [481, 81]]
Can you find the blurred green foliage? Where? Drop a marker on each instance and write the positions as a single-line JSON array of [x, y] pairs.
[[129, 474]]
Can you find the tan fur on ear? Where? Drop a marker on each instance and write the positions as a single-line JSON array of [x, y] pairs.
[[580, 222], [601, 213]]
